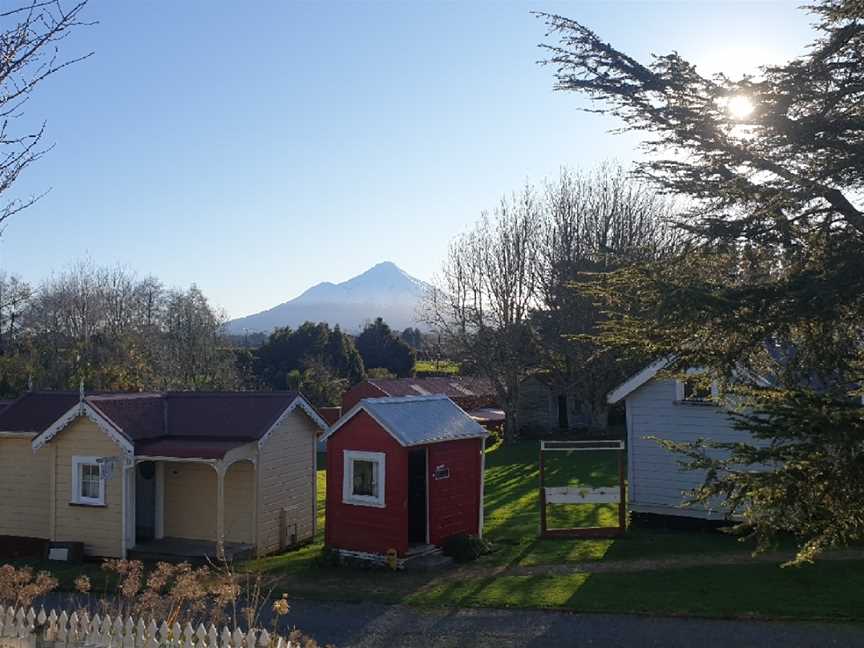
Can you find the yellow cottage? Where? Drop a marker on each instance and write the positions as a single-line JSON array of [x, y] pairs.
[[164, 475]]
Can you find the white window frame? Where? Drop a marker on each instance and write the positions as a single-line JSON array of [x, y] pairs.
[[679, 394], [380, 461], [77, 498]]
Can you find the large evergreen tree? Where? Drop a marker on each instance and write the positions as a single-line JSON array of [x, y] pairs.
[[381, 348], [772, 284], [309, 346]]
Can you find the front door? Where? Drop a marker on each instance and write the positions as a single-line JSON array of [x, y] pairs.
[[145, 501], [417, 496]]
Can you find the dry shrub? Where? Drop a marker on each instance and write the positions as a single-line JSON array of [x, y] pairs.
[[19, 587], [182, 593], [172, 593]]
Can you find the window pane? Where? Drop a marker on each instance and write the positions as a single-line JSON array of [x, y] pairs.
[[696, 390], [90, 476], [364, 478]]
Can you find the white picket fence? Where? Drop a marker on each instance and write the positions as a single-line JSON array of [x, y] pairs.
[[20, 628]]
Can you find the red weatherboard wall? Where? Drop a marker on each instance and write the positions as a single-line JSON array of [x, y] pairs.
[[357, 393], [454, 503], [366, 528]]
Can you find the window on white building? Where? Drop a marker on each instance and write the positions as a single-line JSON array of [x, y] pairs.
[[696, 390]]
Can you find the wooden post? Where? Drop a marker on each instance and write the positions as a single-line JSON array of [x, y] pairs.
[[254, 515], [543, 525], [220, 511], [622, 502]]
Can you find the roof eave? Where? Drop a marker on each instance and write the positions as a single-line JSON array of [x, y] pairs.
[[635, 381]]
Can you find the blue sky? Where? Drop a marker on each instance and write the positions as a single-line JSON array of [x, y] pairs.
[[258, 148]]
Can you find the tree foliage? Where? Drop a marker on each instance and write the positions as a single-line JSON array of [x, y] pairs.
[[413, 337], [507, 306], [592, 223], [488, 290], [313, 358], [382, 348], [771, 282], [112, 330]]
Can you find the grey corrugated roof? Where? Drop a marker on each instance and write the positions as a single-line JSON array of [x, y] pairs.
[[418, 420]]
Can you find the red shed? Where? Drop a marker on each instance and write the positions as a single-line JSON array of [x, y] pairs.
[[403, 472]]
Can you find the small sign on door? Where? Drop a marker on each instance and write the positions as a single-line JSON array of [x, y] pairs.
[[441, 472]]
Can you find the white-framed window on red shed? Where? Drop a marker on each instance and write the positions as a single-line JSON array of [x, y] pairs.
[[363, 478]]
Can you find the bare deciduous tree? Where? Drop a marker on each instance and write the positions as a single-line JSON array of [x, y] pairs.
[[484, 299], [29, 53], [509, 302], [592, 222], [116, 331]]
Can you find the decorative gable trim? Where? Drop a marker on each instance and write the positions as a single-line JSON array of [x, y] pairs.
[[83, 408], [303, 404]]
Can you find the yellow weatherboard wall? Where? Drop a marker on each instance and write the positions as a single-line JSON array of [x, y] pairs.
[[239, 502], [100, 528], [190, 501], [24, 482]]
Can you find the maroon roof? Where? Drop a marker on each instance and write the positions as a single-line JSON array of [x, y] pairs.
[[36, 411], [178, 424], [228, 415], [453, 387], [137, 416]]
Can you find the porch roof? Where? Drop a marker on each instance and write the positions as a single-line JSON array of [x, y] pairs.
[[180, 448]]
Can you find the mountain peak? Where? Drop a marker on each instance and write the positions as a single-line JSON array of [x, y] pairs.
[[384, 290], [384, 268]]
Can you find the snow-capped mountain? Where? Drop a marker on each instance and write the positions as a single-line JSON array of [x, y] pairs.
[[385, 290]]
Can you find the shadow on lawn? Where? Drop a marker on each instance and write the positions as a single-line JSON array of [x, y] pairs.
[[512, 504]]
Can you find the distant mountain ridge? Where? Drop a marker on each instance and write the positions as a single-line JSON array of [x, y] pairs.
[[385, 290]]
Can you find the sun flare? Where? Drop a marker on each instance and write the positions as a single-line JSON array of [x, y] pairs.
[[739, 107]]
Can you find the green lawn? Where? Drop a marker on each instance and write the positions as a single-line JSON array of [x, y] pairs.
[[831, 590], [436, 368], [513, 518], [827, 590]]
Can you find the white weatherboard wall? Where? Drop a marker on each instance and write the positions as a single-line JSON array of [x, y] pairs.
[[656, 481]]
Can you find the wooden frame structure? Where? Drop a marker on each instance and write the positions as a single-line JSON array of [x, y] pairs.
[[577, 495]]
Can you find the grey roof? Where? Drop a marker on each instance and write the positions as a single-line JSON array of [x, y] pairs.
[[418, 420]]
